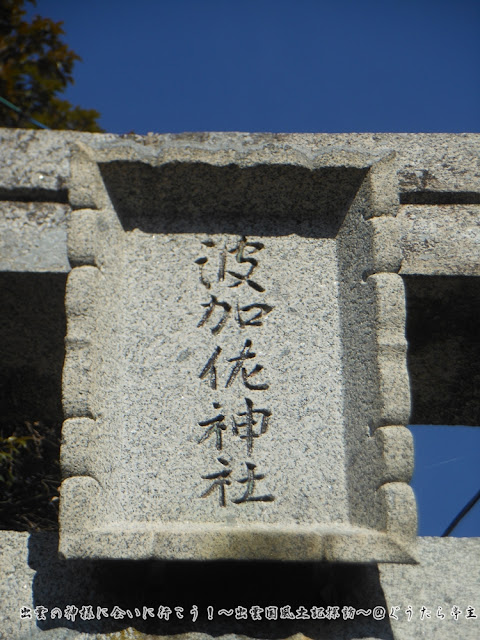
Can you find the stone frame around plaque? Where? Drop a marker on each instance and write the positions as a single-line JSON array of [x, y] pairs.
[[380, 520]]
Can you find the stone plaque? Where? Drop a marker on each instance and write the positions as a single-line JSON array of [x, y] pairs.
[[235, 382]]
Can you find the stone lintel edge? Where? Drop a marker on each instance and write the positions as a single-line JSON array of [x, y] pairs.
[[204, 541], [83, 157]]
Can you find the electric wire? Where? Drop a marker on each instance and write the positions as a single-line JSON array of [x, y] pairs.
[[470, 504], [18, 110]]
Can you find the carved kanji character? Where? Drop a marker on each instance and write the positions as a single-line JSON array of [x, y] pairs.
[[221, 481], [221, 266], [211, 369], [250, 423], [243, 252], [239, 360], [210, 308], [215, 426], [255, 319], [250, 481]]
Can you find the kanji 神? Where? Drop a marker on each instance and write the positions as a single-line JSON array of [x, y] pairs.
[[70, 612], [245, 354], [250, 480], [215, 426], [220, 480], [249, 423]]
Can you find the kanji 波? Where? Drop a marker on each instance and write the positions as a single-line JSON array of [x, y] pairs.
[[220, 481], [250, 480], [215, 426], [243, 252], [249, 423], [220, 276], [245, 354], [210, 309]]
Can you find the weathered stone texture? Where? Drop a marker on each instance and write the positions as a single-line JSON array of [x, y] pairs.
[[179, 253], [345, 245], [33, 237], [447, 574]]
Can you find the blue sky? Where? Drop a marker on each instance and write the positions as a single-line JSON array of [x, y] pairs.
[[275, 65], [286, 66]]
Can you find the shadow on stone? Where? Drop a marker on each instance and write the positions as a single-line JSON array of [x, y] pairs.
[[133, 585], [261, 200], [32, 331], [443, 334]]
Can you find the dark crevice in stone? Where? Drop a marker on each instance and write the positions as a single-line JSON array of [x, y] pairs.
[[32, 332], [34, 195], [440, 197], [443, 334]]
